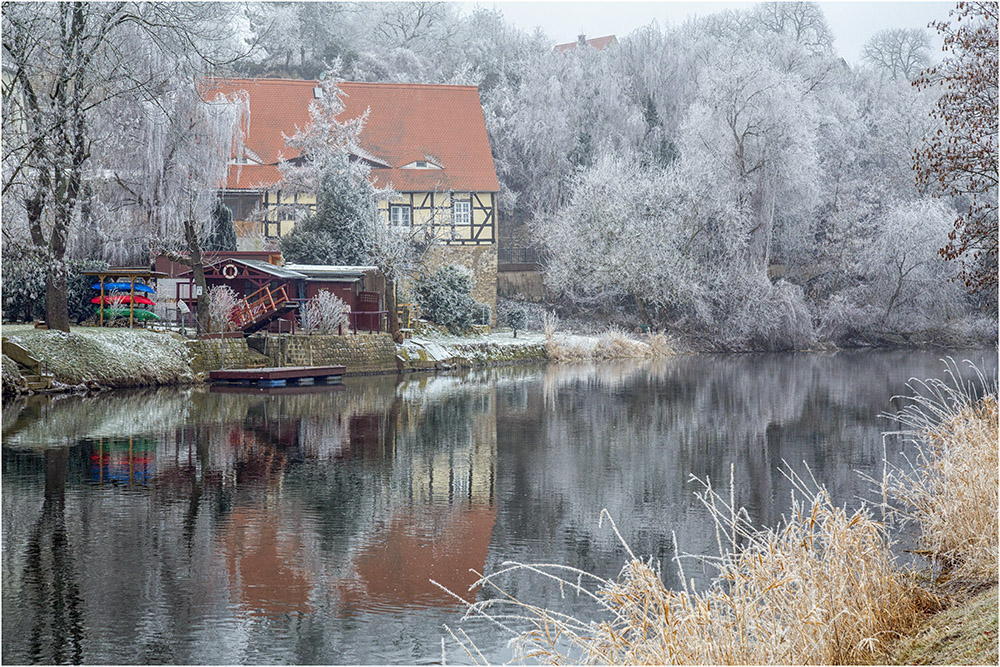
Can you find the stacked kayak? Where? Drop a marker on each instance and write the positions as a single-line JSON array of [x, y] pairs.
[[122, 300]]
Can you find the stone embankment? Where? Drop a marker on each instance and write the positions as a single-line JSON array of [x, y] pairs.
[[92, 358]]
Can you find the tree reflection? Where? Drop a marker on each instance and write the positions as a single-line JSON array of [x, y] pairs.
[[50, 577]]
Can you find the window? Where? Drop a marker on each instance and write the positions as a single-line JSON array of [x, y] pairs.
[[400, 216], [461, 213]]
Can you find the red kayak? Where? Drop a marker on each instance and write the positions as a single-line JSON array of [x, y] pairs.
[[123, 298]]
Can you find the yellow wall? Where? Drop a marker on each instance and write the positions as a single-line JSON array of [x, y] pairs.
[[434, 209], [428, 209]]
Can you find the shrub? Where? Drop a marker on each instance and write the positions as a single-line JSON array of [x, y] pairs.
[[516, 318], [222, 301], [445, 298], [325, 313], [24, 273]]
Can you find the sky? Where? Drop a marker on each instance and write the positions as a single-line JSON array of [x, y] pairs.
[[852, 23]]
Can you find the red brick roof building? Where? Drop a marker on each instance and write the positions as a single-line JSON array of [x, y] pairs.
[[427, 142]]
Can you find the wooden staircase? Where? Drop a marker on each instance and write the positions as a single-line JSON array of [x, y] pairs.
[[261, 308], [31, 369]]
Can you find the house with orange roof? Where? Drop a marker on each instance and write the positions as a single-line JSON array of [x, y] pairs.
[[597, 43], [428, 143]]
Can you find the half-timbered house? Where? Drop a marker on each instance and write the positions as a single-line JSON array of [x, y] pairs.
[[428, 143]]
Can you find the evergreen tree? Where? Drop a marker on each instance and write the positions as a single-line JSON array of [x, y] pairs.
[[223, 235], [340, 229]]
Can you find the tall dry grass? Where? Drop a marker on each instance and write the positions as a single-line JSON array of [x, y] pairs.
[[950, 485], [614, 343], [822, 588]]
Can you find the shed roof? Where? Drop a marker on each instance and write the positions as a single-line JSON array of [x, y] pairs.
[[406, 123], [255, 264]]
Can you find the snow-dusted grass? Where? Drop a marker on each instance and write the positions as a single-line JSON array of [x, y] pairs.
[[551, 345], [108, 356]]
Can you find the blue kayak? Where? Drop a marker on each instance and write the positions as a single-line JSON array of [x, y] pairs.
[[139, 287]]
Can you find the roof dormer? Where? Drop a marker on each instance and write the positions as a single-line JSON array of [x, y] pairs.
[[422, 164]]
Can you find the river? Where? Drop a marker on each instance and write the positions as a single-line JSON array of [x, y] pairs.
[[189, 525]]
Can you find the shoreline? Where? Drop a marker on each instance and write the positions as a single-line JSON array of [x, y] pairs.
[[93, 359]]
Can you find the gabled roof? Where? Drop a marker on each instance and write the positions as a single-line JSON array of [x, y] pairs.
[[599, 43], [253, 264], [406, 123]]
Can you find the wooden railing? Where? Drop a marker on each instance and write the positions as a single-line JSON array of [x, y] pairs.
[[258, 305]]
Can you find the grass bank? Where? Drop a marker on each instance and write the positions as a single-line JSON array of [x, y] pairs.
[[824, 587], [102, 357]]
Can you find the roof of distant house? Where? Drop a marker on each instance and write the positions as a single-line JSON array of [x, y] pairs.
[[598, 43], [440, 126]]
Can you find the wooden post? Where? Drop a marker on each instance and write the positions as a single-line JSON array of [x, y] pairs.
[[131, 301], [100, 308]]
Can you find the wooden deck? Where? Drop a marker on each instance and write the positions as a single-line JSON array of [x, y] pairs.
[[292, 389], [280, 377]]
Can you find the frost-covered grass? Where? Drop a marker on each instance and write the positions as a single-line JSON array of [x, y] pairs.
[[108, 356], [554, 346]]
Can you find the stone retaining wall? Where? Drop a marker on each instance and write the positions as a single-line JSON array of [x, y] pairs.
[[216, 353], [480, 259], [361, 354]]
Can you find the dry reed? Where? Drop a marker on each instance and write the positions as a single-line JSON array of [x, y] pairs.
[[950, 486], [822, 588], [612, 344]]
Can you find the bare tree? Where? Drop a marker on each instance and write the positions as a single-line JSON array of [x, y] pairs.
[[898, 53]]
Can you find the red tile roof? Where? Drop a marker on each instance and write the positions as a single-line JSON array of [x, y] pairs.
[[406, 123], [598, 43]]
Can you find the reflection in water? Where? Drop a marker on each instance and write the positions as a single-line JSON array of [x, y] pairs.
[[305, 527]]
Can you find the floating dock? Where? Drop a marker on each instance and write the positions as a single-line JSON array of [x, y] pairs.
[[280, 377]]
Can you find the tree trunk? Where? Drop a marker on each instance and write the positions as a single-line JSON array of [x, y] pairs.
[[762, 205], [56, 303], [643, 313], [198, 267], [390, 305]]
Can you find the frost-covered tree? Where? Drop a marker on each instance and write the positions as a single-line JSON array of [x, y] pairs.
[[445, 298], [752, 128], [898, 53], [222, 236], [339, 230], [69, 65]]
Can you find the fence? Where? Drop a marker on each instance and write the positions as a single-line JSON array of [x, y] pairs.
[[522, 256]]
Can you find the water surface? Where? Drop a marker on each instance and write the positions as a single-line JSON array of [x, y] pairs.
[[195, 526]]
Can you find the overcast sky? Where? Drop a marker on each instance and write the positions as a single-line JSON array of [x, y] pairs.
[[852, 22]]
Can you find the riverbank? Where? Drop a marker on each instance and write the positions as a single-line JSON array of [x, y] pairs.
[[94, 358]]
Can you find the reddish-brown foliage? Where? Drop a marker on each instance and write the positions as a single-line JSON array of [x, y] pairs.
[[960, 159]]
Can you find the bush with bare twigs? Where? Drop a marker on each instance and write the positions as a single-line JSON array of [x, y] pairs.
[[222, 302], [325, 313]]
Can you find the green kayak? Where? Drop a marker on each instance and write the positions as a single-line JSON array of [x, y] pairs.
[[138, 314]]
